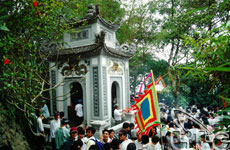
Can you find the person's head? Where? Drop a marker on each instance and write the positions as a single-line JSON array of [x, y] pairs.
[[79, 101], [131, 146], [131, 125], [155, 140], [116, 143], [90, 131], [56, 115], [38, 113], [122, 134], [62, 114], [145, 139], [105, 134], [73, 132], [163, 141], [194, 110], [117, 106], [79, 128], [81, 134], [164, 111], [125, 126], [77, 144], [64, 122], [111, 133]]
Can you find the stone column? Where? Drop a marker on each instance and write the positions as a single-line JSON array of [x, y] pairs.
[[99, 126]]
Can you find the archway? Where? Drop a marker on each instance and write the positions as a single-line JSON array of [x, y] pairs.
[[76, 97], [115, 96]]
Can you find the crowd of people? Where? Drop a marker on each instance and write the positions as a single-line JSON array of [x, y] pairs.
[[177, 131]]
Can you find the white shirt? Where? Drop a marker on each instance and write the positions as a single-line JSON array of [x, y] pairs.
[[138, 145], [53, 126], [79, 110], [125, 143], [84, 140], [150, 146], [117, 114], [40, 127]]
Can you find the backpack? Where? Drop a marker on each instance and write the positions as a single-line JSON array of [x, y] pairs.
[[99, 144]]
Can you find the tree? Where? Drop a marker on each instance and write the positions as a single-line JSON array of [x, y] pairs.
[[29, 32]]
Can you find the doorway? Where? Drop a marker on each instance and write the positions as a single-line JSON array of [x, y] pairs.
[[115, 96], [76, 97]]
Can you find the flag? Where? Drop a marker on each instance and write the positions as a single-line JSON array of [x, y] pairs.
[[147, 110], [159, 81]]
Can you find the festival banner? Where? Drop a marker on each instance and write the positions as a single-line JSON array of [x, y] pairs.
[[147, 110]]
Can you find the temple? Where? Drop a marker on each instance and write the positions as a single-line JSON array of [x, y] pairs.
[[91, 66]]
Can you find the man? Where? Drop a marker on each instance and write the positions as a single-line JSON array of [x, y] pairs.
[[124, 140], [40, 129], [105, 137], [118, 114], [112, 134], [138, 141], [155, 144], [61, 133], [164, 114], [54, 124], [126, 126], [133, 132], [79, 112], [81, 136], [90, 131], [68, 144]]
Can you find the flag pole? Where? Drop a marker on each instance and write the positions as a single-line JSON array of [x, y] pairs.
[[158, 108]]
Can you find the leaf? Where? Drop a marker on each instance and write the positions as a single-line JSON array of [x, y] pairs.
[[4, 28], [223, 69], [227, 24]]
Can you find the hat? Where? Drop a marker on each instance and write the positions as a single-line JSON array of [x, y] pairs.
[[73, 130]]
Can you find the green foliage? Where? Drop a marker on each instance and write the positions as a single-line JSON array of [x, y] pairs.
[[141, 64], [211, 58], [24, 28]]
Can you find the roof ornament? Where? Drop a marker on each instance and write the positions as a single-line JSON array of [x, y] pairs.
[[100, 38], [91, 11], [128, 48]]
